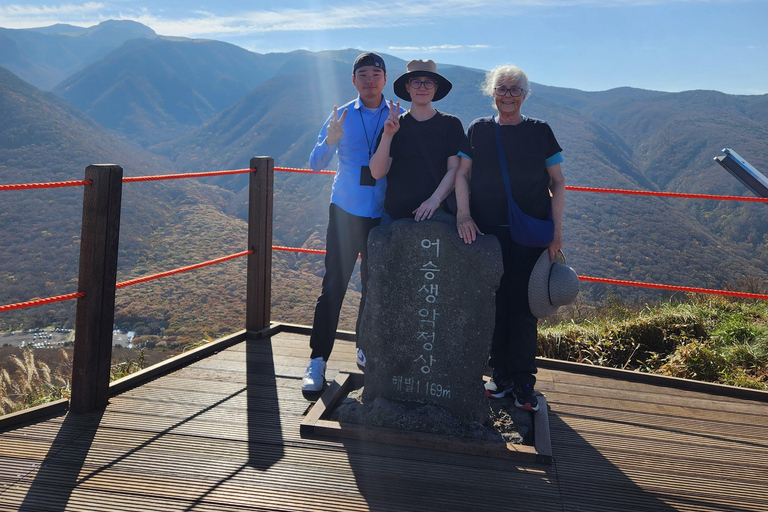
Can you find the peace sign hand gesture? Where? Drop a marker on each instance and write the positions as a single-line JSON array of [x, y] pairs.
[[392, 124], [335, 127]]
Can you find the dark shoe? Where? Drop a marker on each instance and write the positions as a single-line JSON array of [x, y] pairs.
[[525, 398], [498, 386]]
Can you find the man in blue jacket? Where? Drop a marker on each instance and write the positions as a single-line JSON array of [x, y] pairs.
[[356, 204]]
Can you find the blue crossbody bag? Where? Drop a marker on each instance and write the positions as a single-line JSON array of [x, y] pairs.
[[525, 230]]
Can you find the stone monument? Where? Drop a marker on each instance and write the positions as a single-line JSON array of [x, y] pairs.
[[429, 315]]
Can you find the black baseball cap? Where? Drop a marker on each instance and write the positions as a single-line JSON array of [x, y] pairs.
[[369, 59]]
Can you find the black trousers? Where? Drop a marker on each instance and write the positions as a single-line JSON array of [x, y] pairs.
[[514, 346], [347, 236]]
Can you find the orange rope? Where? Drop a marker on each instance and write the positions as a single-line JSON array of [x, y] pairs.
[[666, 194], [601, 280], [305, 171], [53, 184], [186, 175], [674, 288], [26, 186], [297, 249], [182, 269], [40, 302], [600, 190]]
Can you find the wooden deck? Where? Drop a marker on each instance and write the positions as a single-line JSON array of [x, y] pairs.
[[222, 434]]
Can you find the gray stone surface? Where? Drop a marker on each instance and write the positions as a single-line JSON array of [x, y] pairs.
[[506, 424], [429, 315]]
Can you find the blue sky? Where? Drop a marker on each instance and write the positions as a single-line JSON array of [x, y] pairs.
[[667, 45]]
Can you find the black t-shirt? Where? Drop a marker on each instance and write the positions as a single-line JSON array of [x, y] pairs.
[[412, 179], [526, 147]]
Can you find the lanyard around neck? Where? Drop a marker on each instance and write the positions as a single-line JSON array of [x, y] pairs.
[[371, 141]]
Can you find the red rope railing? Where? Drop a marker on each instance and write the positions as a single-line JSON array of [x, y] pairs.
[[605, 281], [674, 288], [304, 171], [183, 269], [53, 184], [599, 190], [687, 289], [40, 302], [297, 249], [666, 194], [60, 298], [135, 179]]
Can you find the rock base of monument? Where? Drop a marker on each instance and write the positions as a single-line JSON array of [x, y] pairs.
[[510, 433], [505, 422]]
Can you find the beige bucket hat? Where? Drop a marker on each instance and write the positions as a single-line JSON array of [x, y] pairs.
[[420, 67]]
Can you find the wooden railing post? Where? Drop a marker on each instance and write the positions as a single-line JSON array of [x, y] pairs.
[[259, 293], [98, 275]]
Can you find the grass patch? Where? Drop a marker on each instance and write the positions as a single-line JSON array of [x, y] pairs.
[[26, 381], [30, 383], [713, 339]]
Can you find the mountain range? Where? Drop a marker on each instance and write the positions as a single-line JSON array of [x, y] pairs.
[[45, 56], [158, 105]]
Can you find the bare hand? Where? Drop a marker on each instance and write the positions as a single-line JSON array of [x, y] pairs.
[[467, 228], [335, 127], [392, 124], [555, 245], [426, 209]]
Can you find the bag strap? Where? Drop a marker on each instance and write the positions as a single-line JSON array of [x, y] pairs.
[[504, 171]]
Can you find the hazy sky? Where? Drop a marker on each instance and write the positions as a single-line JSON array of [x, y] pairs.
[[668, 45]]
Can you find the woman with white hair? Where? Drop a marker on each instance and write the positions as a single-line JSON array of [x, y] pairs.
[[517, 194]]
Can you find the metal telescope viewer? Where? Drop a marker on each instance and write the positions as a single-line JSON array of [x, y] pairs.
[[743, 171]]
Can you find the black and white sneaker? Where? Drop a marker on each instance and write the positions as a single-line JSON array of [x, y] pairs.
[[525, 398], [498, 386]]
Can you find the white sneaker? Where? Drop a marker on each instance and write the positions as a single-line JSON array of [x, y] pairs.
[[314, 377], [360, 360]]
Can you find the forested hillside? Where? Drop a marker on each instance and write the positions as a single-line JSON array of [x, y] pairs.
[[156, 90], [673, 138], [164, 225], [611, 236], [176, 105]]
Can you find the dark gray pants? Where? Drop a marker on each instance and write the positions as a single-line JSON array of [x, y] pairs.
[[514, 346], [346, 237]]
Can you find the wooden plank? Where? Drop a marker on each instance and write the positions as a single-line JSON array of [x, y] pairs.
[[541, 432], [163, 368], [37, 413], [701, 408], [680, 429], [171, 468], [316, 425], [664, 381], [427, 441], [224, 434], [327, 401]]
